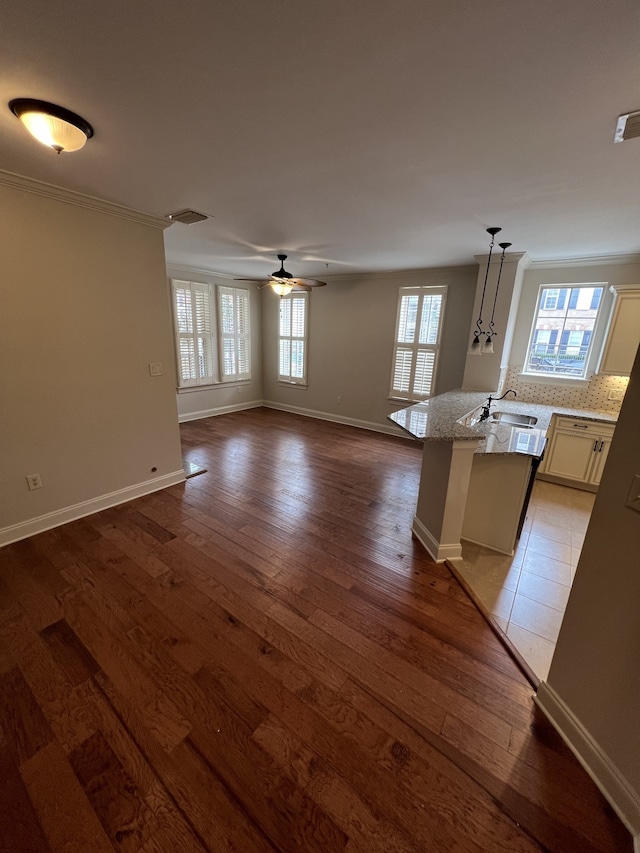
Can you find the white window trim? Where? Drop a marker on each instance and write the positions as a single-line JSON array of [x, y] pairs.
[[596, 343], [303, 380], [394, 393]]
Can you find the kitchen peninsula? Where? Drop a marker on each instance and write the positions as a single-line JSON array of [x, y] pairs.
[[476, 474]]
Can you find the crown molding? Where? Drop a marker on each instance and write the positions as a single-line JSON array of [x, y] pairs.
[[589, 261], [30, 185], [201, 271]]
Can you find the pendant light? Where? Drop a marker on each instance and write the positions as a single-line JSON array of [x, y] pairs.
[[487, 346], [53, 126], [476, 348]]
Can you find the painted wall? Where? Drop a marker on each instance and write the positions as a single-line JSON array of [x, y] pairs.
[[215, 399], [595, 666], [351, 331], [83, 312]]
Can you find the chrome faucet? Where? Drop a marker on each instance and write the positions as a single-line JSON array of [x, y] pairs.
[[486, 409]]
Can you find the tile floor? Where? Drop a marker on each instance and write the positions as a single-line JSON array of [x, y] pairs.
[[527, 593]]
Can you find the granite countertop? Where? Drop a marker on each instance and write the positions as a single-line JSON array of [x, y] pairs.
[[442, 418]]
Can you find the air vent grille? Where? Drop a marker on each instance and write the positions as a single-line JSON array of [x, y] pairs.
[[187, 217], [628, 127]]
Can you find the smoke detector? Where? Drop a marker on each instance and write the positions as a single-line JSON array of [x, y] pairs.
[[628, 127], [187, 217]]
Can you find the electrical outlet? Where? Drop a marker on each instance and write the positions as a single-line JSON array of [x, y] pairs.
[[633, 498], [34, 482], [616, 394], [339, 399], [155, 368]]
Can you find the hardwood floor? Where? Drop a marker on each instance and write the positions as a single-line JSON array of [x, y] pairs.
[[262, 659]]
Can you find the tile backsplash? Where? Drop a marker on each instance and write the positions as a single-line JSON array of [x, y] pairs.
[[592, 395]]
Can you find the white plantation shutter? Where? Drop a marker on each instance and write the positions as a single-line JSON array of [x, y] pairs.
[[194, 327], [418, 330], [235, 341], [292, 338]]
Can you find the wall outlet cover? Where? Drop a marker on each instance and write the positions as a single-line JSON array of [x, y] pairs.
[[633, 498]]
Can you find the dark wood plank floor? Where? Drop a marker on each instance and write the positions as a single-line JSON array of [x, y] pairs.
[[262, 659]]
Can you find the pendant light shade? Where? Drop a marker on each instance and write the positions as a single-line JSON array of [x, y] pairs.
[[53, 126]]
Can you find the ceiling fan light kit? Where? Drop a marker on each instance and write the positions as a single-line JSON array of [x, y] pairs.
[[283, 282], [485, 347], [53, 126]]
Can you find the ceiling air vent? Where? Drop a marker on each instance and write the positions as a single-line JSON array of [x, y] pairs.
[[187, 217], [628, 127]]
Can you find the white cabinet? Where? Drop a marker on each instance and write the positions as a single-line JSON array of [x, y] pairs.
[[576, 452], [623, 334]]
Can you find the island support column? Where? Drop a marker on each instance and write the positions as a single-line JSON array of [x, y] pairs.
[[444, 484]]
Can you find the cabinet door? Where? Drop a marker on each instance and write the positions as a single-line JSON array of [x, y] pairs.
[[623, 336], [599, 461], [571, 455]]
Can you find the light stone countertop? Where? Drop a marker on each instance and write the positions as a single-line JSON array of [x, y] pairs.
[[438, 419]]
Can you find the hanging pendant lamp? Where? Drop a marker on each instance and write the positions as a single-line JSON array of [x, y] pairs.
[[476, 347], [487, 346]]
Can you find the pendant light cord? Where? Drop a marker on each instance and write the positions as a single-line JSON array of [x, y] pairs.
[[493, 232], [504, 246]]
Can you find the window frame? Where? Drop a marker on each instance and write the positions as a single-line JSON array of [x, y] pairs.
[[560, 340], [396, 393], [214, 335], [302, 297]]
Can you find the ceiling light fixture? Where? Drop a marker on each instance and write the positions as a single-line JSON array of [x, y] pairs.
[[53, 126], [478, 348]]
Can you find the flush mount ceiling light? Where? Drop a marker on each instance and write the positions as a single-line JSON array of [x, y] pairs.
[[53, 126], [477, 348]]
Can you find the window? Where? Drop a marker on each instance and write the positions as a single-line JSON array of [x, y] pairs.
[[417, 341], [235, 342], [203, 342], [292, 338], [563, 329]]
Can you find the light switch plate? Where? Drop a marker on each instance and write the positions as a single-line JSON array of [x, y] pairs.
[[633, 498], [155, 368]]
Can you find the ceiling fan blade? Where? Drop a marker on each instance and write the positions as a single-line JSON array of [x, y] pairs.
[[252, 279], [298, 285], [310, 282]]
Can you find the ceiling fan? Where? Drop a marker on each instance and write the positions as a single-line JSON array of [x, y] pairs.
[[282, 282]]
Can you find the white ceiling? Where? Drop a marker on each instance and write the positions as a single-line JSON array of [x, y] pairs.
[[363, 134]]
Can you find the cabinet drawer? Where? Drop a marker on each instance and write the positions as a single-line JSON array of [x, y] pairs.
[[595, 428]]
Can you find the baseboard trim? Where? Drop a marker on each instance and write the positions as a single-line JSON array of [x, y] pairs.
[[219, 410], [33, 526], [329, 416], [619, 793], [436, 550]]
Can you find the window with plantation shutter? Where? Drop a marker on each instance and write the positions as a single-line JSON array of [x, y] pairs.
[[235, 340], [194, 325], [212, 345], [292, 338], [417, 341]]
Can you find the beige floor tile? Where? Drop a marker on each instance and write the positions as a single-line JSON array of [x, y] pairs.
[[535, 617], [537, 651], [501, 623], [577, 539], [544, 590], [549, 548], [497, 601], [547, 567], [551, 531], [575, 556], [560, 516]]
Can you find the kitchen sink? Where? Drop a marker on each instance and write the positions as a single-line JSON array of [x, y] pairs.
[[514, 419]]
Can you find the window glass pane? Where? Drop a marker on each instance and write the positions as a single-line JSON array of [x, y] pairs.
[[430, 321], [297, 317], [562, 330], [184, 316], [285, 317], [402, 370], [227, 313], [407, 319], [187, 359], [297, 359]]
